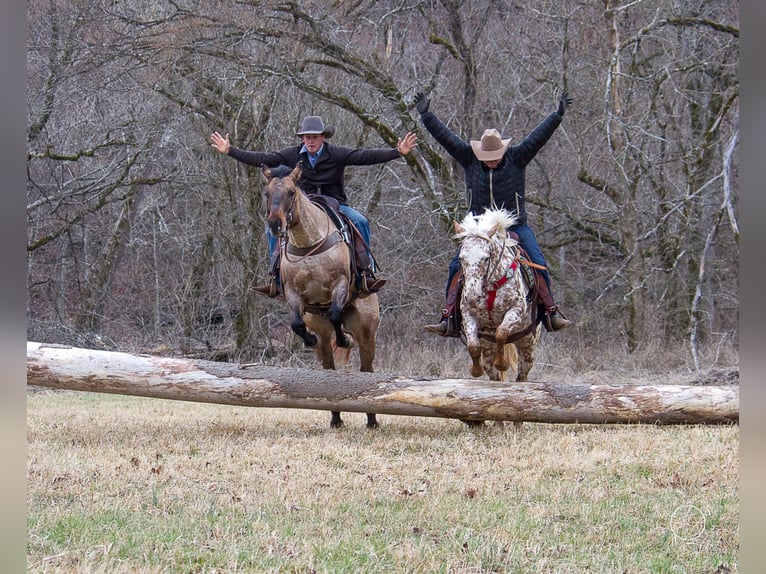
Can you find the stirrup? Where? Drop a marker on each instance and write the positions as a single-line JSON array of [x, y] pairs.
[[371, 284], [272, 289], [444, 328], [439, 329], [555, 320]]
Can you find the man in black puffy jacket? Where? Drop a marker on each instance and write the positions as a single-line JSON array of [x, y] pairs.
[[495, 178]]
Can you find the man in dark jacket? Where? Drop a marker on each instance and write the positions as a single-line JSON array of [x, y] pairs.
[[495, 178], [322, 173]]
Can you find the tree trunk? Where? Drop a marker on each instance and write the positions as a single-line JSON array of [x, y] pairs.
[[71, 368]]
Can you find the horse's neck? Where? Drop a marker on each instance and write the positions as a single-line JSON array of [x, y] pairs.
[[312, 226], [502, 257]]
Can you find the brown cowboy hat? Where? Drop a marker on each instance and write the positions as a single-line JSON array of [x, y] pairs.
[[313, 125], [491, 147]]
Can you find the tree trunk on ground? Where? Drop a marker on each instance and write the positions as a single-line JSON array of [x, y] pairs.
[[70, 368]]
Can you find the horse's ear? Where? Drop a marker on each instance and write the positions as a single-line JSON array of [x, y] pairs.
[[458, 228], [296, 173], [266, 171]]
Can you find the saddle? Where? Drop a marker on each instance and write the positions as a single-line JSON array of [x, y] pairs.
[[362, 255]]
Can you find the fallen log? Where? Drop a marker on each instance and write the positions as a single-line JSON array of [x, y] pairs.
[[71, 368]]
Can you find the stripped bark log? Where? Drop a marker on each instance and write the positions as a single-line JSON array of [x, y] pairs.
[[71, 368]]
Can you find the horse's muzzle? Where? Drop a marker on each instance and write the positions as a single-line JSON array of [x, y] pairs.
[[277, 226]]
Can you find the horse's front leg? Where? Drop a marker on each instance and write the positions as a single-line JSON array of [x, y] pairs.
[[337, 308], [471, 330], [297, 324]]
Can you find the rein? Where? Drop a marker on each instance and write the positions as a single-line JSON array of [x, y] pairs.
[[492, 291]]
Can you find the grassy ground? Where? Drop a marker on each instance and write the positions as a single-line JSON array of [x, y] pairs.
[[125, 484]]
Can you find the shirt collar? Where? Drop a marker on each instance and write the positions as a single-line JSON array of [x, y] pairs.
[[314, 157]]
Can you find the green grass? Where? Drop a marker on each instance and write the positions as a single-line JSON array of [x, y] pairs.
[[123, 484]]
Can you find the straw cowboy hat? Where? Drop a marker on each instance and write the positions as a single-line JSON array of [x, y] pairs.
[[491, 147], [313, 125]]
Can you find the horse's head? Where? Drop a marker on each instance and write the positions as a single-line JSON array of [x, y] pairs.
[[486, 250], [281, 194]]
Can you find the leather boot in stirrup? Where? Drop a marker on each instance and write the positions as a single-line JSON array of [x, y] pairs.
[[557, 321], [370, 283], [272, 289], [444, 328]]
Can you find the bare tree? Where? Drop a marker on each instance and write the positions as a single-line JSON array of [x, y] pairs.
[[137, 231]]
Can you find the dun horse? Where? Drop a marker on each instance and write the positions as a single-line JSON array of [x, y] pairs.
[[500, 331], [316, 277]]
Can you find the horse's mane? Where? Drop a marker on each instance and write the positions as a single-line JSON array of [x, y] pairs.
[[482, 224], [281, 171]]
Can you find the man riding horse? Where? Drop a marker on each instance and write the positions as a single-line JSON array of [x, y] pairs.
[[494, 178], [322, 173]]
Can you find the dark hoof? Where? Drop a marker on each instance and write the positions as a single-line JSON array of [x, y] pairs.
[[473, 424]]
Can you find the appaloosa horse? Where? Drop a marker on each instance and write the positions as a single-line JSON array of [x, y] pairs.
[[316, 277], [501, 331]]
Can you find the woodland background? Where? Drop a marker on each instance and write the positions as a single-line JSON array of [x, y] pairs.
[[141, 237]]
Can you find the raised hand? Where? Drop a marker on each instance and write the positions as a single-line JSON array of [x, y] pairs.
[[220, 142], [421, 103], [406, 145], [564, 102]]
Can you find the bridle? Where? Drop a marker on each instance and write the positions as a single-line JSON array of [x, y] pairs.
[[330, 238], [494, 267]]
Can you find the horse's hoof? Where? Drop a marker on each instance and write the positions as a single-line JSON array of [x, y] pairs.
[[476, 372], [372, 422], [473, 424]]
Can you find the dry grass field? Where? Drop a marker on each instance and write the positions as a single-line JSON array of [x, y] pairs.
[[127, 484]]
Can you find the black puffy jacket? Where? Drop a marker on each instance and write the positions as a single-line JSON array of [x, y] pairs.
[[505, 184]]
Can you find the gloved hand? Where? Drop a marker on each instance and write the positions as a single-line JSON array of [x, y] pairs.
[[564, 102], [421, 103]]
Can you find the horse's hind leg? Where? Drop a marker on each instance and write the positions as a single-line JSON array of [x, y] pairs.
[[335, 421], [526, 351], [324, 353]]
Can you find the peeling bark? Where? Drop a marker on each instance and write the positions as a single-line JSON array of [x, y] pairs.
[[71, 368]]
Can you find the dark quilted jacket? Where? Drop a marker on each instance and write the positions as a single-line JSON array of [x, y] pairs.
[[327, 177], [506, 184]]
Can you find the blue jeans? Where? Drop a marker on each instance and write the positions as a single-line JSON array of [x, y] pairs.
[[359, 220], [528, 243]]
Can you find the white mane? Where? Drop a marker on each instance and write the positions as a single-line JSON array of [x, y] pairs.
[[483, 225]]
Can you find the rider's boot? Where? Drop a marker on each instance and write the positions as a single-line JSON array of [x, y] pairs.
[[274, 286], [553, 318], [272, 289], [449, 325], [369, 283]]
